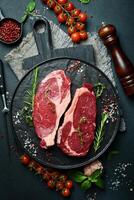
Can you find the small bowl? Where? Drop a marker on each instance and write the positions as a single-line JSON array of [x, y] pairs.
[[3, 20]]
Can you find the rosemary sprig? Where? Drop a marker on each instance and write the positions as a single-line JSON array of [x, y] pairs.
[[99, 88], [34, 84], [29, 99], [100, 131]]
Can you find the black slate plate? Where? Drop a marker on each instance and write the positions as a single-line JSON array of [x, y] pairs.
[[79, 72]]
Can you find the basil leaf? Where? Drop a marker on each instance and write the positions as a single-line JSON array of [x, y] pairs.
[[95, 175], [78, 177], [31, 6], [111, 154], [86, 185], [74, 173], [99, 183], [85, 1]]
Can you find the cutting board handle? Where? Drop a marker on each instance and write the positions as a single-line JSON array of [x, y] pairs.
[[1, 14], [42, 35]]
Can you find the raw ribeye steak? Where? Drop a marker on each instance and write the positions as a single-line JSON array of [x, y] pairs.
[[51, 101], [76, 134]]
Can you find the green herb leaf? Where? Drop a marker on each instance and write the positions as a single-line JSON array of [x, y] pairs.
[[86, 185], [99, 183], [99, 88], [85, 1], [34, 84], [79, 177], [29, 120], [23, 18], [26, 111], [100, 132], [95, 175], [29, 9], [86, 181], [31, 6], [112, 153], [73, 173]]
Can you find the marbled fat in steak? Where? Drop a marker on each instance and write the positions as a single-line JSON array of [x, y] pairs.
[[51, 101], [76, 134]]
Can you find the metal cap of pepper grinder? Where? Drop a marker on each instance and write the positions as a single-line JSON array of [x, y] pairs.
[[123, 66]]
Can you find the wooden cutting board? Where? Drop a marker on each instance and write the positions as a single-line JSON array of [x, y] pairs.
[[45, 47]]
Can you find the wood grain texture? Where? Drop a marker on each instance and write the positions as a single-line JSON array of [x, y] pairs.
[[123, 66]]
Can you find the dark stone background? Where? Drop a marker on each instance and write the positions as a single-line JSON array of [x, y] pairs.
[[16, 181]]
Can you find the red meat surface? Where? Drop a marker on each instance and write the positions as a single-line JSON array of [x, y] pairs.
[[51, 101], [76, 134]]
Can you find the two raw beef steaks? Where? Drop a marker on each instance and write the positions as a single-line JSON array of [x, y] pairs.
[[53, 96]]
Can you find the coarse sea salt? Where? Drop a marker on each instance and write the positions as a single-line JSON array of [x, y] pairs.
[[17, 118], [91, 196], [30, 146], [111, 107], [120, 177], [28, 143]]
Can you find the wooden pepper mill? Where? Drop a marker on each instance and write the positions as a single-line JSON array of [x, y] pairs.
[[123, 66]]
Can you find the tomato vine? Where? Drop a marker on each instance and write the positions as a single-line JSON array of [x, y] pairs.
[[72, 17]]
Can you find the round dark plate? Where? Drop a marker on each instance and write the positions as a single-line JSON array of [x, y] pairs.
[[79, 72]]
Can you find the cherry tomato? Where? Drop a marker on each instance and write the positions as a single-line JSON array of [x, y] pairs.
[[63, 177], [25, 159], [69, 184], [75, 37], [70, 21], [75, 12], [69, 6], [59, 185], [83, 35], [39, 169], [55, 175], [82, 17], [66, 192], [51, 4], [80, 26], [71, 29], [62, 17], [33, 165], [51, 184], [46, 176], [62, 1], [57, 9]]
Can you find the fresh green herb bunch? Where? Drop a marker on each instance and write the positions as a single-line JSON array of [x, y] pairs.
[[87, 181]]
